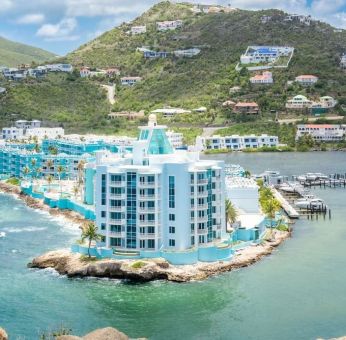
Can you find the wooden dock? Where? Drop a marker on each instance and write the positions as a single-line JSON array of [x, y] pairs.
[[290, 211]]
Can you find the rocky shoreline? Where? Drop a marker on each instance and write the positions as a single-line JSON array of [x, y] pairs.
[[34, 203], [144, 270], [74, 265]]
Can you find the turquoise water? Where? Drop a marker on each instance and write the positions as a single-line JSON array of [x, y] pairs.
[[297, 293]]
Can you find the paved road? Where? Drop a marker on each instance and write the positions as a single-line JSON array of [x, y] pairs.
[[311, 119]]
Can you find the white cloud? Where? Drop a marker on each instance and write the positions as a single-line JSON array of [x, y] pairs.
[[92, 8], [60, 31], [35, 18], [5, 5]]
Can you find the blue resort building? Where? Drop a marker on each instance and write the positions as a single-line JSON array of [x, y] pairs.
[[22, 163], [158, 202]]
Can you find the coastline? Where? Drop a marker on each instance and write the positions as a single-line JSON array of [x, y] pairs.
[[74, 265], [144, 270], [68, 215]]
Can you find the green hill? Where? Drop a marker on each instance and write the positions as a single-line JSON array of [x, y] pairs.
[[13, 53], [204, 80], [222, 38]]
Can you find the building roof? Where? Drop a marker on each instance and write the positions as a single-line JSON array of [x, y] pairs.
[[252, 104], [319, 126], [306, 76]]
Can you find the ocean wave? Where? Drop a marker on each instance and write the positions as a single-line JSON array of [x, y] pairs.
[[28, 229]]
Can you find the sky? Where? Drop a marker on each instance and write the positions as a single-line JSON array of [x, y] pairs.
[[60, 26]]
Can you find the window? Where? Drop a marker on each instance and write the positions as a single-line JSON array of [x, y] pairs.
[[103, 239], [172, 217], [192, 227], [192, 240], [172, 230], [151, 230], [103, 189], [103, 226], [115, 228], [171, 191], [142, 244], [171, 242], [115, 242], [103, 214], [151, 244]]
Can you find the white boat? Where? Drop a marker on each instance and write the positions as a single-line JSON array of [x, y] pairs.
[[301, 178], [286, 188], [310, 176], [306, 203], [2, 234]]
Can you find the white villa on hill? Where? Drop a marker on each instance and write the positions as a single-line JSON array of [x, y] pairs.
[[343, 61], [298, 102], [302, 102], [306, 79], [130, 81], [264, 78], [170, 111], [168, 25], [235, 142], [138, 30], [321, 132], [265, 54]]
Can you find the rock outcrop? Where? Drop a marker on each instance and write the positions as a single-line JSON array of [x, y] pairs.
[[107, 333], [74, 265], [3, 334]]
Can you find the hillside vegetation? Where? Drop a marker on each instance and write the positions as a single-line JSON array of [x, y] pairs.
[[13, 53], [204, 80], [207, 78]]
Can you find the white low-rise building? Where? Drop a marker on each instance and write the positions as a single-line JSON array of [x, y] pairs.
[[138, 29], [130, 81], [243, 193], [170, 111], [175, 138], [26, 124], [168, 25], [264, 78], [188, 53], [321, 132], [306, 79], [13, 132], [44, 132], [236, 142], [298, 102]]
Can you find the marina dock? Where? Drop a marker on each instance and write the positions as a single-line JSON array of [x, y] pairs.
[[290, 211]]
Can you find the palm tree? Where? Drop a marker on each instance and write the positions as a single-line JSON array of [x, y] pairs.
[[90, 233], [247, 174], [270, 208], [75, 191], [26, 171], [231, 213], [49, 179], [60, 169]]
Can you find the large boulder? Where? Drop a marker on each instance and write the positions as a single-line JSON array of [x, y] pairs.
[[107, 333], [3, 334]]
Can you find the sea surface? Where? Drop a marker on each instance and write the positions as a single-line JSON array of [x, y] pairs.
[[299, 292]]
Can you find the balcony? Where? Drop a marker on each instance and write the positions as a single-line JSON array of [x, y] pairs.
[[118, 209], [146, 210], [119, 196], [117, 234], [117, 183], [147, 197], [202, 181], [202, 219], [202, 206], [118, 222], [202, 194], [202, 231], [147, 223], [146, 184]]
